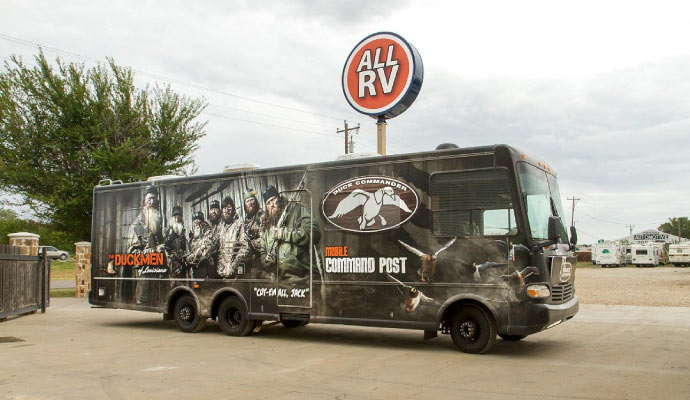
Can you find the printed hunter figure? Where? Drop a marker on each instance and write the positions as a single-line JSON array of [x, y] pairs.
[[201, 248], [146, 236], [252, 229], [176, 244], [285, 232], [233, 250]]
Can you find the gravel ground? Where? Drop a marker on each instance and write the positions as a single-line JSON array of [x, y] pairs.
[[661, 286]]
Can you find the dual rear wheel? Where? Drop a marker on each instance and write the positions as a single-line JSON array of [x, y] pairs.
[[232, 316]]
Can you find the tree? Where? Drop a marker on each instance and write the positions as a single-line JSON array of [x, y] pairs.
[[10, 222], [63, 129], [673, 224]]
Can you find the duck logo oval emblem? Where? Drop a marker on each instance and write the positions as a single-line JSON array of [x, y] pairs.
[[370, 204]]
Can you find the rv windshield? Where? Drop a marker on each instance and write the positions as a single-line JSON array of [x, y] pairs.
[[542, 200]]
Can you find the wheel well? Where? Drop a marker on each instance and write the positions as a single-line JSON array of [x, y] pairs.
[[173, 299], [453, 308], [219, 299]]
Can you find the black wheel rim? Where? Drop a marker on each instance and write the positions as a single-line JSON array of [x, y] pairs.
[[469, 330], [187, 314], [234, 317]]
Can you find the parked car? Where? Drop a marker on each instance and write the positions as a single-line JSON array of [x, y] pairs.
[[53, 252]]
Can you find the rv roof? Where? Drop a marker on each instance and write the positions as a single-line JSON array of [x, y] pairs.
[[430, 154]]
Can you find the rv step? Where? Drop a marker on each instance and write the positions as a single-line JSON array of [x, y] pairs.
[[294, 317]]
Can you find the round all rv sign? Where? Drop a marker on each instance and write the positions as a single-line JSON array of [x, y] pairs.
[[383, 75]]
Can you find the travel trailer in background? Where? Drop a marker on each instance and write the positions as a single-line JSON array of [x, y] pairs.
[[663, 252], [609, 254], [679, 254], [628, 253], [645, 254]]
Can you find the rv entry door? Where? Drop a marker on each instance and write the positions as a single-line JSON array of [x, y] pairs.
[[294, 243]]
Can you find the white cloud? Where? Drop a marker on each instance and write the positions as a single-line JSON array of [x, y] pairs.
[[598, 89]]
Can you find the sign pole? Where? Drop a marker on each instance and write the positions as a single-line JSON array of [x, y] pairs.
[[381, 135]]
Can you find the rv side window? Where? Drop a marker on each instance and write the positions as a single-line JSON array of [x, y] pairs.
[[472, 203], [641, 252]]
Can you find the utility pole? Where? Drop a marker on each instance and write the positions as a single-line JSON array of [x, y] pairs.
[[346, 131], [631, 226], [572, 216]]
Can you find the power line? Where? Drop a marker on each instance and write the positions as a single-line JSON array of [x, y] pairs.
[[162, 78], [581, 231], [592, 229], [272, 116], [193, 85], [388, 138], [619, 223], [272, 125]]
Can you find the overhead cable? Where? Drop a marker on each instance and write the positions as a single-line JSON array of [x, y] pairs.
[[162, 78]]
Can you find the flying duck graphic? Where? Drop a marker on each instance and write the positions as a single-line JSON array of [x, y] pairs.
[[428, 260], [413, 296], [521, 275], [371, 205]]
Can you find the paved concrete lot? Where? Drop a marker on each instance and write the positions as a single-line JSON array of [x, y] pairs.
[[75, 352]]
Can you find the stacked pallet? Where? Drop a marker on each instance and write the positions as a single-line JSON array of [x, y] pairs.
[[82, 267]]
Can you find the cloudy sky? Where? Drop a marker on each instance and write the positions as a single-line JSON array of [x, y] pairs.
[[599, 90]]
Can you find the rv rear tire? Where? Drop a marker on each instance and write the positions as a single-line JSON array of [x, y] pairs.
[[232, 318], [473, 330], [187, 316]]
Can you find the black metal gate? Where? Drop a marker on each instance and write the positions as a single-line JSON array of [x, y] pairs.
[[24, 282]]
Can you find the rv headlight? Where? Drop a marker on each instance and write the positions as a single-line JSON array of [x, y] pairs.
[[538, 291]]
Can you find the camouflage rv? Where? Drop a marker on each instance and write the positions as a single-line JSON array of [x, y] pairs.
[[462, 241]]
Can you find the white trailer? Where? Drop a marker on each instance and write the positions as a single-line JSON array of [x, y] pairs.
[[679, 254], [663, 253], [610, 254], [645, 254], [628, 254]]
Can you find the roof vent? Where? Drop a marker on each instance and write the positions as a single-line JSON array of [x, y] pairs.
[[447, 146], [241, 167]]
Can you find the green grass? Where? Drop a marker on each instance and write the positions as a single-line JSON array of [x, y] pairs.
[[62, 269], [62, 293]]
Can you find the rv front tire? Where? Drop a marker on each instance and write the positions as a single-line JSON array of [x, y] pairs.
[[187, 316], [473, 330]]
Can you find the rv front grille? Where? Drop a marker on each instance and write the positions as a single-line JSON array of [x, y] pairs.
[[560, 293]]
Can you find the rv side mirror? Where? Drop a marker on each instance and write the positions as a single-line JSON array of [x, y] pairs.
[[573, 236], [554, 229]]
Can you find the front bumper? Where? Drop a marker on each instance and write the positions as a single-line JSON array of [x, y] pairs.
[[533, 318]]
